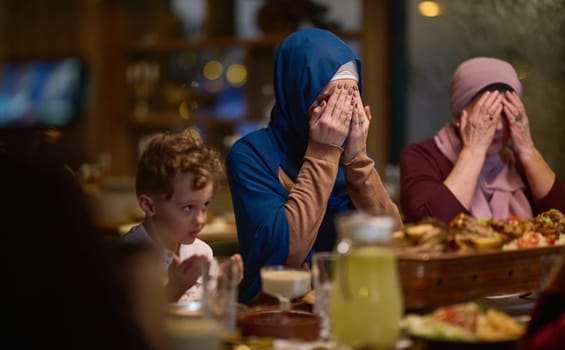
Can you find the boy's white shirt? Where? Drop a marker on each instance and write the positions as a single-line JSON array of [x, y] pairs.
[[202, 248], [138, 234]]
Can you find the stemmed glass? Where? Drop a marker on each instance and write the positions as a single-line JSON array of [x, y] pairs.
[[285, 283]]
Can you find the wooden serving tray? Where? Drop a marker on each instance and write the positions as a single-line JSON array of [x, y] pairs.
[[435, 279]]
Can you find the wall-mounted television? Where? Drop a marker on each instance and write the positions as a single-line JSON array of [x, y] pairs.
[[41, 93]]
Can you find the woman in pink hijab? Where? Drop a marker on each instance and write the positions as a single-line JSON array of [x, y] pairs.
[[484, 162]]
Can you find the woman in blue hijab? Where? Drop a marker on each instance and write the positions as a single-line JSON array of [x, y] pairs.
[[289, 179]]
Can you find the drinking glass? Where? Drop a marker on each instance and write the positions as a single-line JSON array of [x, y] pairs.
[[194, 322], [220, 292], [323, 274], [285, 283]]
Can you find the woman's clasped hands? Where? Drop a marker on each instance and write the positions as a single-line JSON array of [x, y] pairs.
[[357, 140], [501, 111], [338, 118]]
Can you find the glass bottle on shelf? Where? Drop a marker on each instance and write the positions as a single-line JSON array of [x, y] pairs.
[[143, 76]]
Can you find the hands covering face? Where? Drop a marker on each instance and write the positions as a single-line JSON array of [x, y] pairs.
[[518, 122], [357, 140], [478, 127], [343, 118]]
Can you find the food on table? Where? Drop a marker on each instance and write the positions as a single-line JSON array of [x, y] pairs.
[[498, 326], [473, 233], [511, 227], [546, 229], [533, 239], [426, 235], [309, 298], [467, 233], [465, 322]]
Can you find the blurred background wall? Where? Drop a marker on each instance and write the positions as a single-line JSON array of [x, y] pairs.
[[154, 65]]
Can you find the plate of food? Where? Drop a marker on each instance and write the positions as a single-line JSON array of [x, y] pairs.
[[464, 326]]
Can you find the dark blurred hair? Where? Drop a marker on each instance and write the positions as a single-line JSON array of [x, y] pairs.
[[493, 87]]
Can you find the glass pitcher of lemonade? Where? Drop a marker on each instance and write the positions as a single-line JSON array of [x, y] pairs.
[[366, 301]]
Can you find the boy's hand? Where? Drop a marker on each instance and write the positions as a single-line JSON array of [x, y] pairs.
[[237, 267], [236, 258], [184, 274]]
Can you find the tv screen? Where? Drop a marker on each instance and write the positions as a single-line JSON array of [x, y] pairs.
[[41, 93]]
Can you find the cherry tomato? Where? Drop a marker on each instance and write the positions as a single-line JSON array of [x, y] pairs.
[[514, 220], [458, 317], [528, 240]]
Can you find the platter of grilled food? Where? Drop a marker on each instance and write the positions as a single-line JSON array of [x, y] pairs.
[[464, 326], [471, 258]]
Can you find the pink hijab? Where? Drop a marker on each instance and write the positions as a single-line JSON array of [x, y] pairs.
[[500, 189], [477, 73]]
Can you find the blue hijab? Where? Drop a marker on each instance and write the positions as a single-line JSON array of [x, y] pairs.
[[304, 64]]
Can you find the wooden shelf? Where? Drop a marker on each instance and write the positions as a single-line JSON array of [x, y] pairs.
[[170, 119], [171, 45]]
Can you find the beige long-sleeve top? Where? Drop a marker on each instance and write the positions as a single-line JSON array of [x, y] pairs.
[[308, 198]]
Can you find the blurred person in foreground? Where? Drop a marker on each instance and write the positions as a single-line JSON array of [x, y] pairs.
[[546, 329], [60, 291], [288, 180], [138, 273], [177, 176], [484, 162]]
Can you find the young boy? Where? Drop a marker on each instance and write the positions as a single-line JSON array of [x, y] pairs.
[[175, 182]]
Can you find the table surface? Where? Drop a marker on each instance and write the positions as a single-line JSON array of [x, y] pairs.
[[519, 305]]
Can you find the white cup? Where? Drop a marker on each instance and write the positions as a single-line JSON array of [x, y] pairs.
[[193, 333]]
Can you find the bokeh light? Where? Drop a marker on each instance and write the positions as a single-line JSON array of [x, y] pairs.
[[429, 8], [184, 111], [213, 70], [237, 74]]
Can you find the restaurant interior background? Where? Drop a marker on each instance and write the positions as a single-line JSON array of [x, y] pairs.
[[153, 65]]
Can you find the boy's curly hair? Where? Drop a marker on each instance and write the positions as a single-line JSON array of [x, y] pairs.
[[169, 153]]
